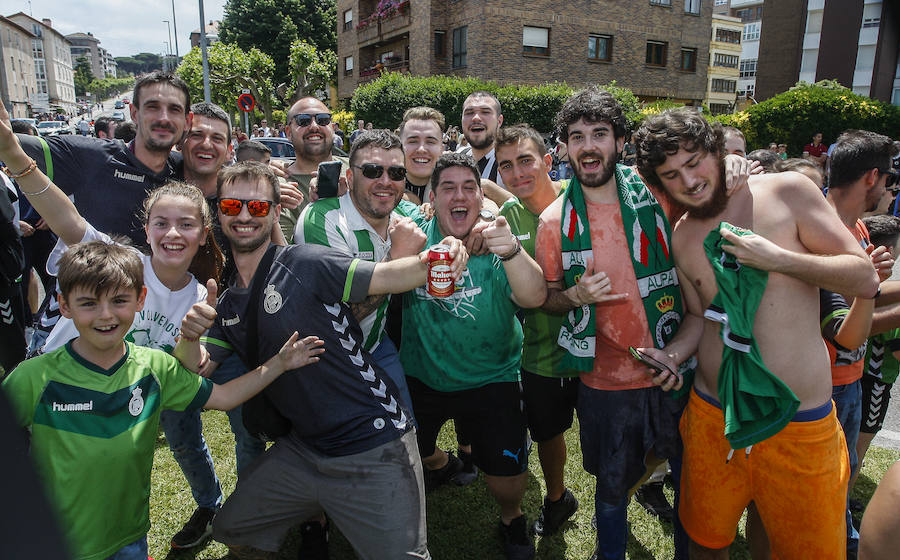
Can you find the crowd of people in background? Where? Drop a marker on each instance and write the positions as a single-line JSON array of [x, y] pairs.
[[721, 319]]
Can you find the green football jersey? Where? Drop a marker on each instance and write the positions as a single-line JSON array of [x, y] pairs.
[[93, 436], [540, 352]]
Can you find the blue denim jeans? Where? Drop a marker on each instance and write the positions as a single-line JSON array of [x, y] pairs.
[[612, 529], [848, 406], [134, 551], [184, 432], [246, 447]]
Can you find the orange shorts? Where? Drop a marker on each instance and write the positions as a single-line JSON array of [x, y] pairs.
[[797, 478]]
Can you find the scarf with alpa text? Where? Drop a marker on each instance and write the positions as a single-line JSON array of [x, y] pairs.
[[648, 233]]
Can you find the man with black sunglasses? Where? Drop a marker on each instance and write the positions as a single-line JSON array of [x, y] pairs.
[[369, 222], [309, 129]]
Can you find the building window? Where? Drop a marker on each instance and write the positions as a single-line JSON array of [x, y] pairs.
[[751, 31], [536, 40], [600, 48], [661, 3], [871, 22], [728, 36], [348, 20], [748, 68], [721, 2], [460, 36], [440, 44], [348, 65], [895, 99], [656, 53], [723, 86], [688, 60], [719, 108], [726, 60], [692, 7]]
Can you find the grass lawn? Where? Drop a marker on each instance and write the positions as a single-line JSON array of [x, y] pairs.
[[461, 521]]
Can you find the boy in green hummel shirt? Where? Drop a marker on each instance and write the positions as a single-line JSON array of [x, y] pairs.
[[93, 405]]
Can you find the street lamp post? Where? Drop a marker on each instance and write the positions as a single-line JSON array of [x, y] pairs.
[[175, 26], [205, 61], [166, 62], [169, 51]]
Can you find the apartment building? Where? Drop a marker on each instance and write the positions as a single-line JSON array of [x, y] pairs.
[[657, 48], [856, 42], [17, 78], [52, 65], [724, 61]]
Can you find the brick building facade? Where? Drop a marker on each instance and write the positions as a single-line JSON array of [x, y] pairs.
[[657, 48]]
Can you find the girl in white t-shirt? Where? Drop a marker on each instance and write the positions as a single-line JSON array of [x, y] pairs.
[[177, 221]]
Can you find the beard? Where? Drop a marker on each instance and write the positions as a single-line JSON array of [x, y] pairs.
[[482, 144], [715, 205], [248, 245], [310, 151], [606, 172]]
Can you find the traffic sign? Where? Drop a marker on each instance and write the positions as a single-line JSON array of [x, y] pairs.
[[246, 102]]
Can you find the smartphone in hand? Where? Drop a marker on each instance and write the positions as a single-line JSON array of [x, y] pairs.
[[327, 179], [649, 361]]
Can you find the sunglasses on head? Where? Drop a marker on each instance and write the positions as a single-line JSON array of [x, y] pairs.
[[305, 119], [373, 171], [257, 208]]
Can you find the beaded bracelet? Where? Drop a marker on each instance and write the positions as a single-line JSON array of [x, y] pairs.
[[28, 170]]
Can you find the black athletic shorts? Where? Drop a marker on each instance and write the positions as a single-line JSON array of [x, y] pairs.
[[549, 404], [875, 398], [492, 416]]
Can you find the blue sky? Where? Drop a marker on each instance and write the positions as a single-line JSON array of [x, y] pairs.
[[124, 27]]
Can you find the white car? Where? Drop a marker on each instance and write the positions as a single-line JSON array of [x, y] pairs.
[[53, 128]]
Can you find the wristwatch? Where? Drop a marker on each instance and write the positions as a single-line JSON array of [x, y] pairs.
[[487, 216]]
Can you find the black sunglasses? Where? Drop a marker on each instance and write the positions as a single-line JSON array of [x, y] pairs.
[[893, 177], [373, 171], [305, 119]]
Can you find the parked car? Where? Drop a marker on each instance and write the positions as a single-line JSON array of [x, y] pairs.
[[282, 149], [53, 128]]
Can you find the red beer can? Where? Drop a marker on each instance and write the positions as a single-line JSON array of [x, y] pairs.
[[440, 282]]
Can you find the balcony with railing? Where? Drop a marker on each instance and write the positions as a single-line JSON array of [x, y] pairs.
[[387, 18], [393, 64]]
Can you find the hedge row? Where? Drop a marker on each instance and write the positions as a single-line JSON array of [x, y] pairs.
[[383, 101], [794, 116]]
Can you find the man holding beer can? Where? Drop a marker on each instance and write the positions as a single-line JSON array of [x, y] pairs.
[[461, 348]]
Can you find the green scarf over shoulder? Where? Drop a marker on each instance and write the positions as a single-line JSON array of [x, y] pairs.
[[648, 233]]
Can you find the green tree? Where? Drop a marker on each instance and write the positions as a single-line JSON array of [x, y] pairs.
[[794, 116], [139, 63], [272, 26], [310, 70], [231, 70], [83, 76]]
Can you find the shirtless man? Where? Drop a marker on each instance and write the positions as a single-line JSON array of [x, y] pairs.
[[797, 474]]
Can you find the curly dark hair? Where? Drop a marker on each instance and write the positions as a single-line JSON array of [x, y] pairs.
[[593, 105], [662, 135]]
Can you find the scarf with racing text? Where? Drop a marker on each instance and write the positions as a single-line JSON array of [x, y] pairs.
[[648, 233]]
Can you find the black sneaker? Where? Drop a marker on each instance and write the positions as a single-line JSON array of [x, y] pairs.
[[313, 541], [516, 541], [651, 497], [469, 471], [443, 475], [196, 530], [554, 514]]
